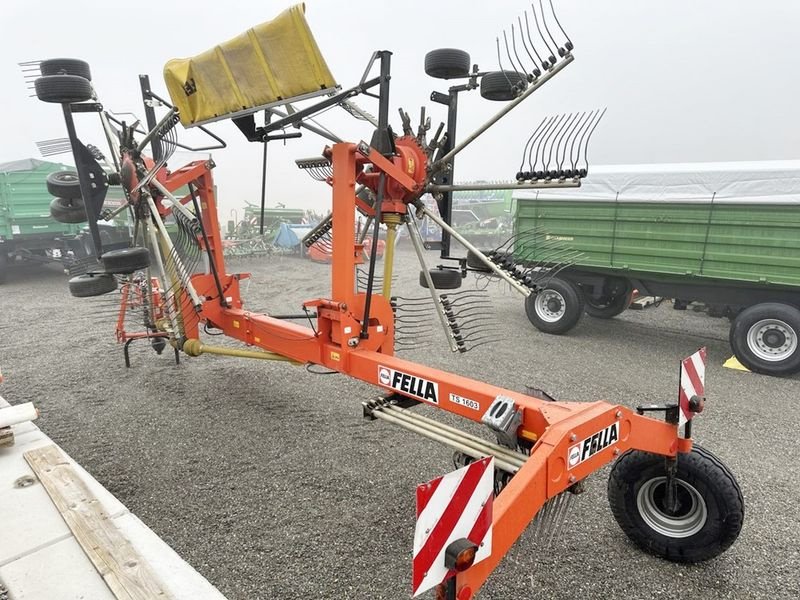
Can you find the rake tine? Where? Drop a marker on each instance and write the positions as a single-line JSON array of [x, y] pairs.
[[535, 72], [559, 136], [585, 170], [552, 58], [561, 51], [585, 116], [543, 145], [568, 45], [560, 156], [521, 174], [499, 60], [514, 47]]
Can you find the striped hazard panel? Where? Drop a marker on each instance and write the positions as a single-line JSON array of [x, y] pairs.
[[692, 383], [455, 506]]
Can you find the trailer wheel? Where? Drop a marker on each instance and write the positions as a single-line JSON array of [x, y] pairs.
[[765, 338], [503, 86], [608, 308], [556, 308], [89, 285], [65, 66], [443, 279], [66, 210], [126, 260], [64, 184], [63, 89], [710, 505], [447, 63]]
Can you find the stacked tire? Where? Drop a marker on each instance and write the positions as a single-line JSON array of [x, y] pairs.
[[65, 81]]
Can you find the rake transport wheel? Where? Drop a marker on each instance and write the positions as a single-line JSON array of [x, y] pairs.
[[765, 339], [65, 66], [126, 260], [446, 63], [86, 286], [63, 89], [64, 184], [443, 279], [710, 509], [66, 210], [503, 86], [556, 307]]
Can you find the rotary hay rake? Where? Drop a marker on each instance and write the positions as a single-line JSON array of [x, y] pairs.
[[672, 498]]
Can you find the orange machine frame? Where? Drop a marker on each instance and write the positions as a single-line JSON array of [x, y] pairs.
[[335, 343]]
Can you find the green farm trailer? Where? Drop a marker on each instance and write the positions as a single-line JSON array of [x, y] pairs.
[[28, 232], [725, 234]]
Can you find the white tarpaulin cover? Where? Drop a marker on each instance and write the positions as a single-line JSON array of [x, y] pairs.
[[770, 182]]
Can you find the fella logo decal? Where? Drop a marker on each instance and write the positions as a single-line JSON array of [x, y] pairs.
[[593, 444], [410, 385]]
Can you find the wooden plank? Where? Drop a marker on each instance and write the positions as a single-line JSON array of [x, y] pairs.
[[125, 572], [6, 437]]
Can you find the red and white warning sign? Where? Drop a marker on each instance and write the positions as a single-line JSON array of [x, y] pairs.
[[455, 506], [693, 383]]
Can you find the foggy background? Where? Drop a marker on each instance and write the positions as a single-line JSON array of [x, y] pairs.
[[683, 80]]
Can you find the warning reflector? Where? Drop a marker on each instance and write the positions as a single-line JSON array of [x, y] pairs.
[[692, 383], [455, 506]]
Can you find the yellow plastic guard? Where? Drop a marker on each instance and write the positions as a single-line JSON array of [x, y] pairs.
[[277, 60]]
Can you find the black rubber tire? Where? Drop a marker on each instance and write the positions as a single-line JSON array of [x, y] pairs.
[[714, 484], [64, 184], [502, 86], [65, 66], [65, 210], [63, 89], [443, 279], [571, 300], [608, 309], [447, 63], [747, 319], [126, 260], [86, 286]]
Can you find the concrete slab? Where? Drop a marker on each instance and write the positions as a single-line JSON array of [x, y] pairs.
[[60, 571]]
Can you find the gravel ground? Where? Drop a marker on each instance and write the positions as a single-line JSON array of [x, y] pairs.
[[267, 479]]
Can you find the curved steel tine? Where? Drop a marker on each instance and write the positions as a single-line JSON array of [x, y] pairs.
[[552, 57], [542, 62], [557, 142], [563, 156], [586, 129], [569, 46], [535, 71], [500, 60], [561, 51], [525, 150], [585, 170], [563, 134], [514, 47], [508, 54], [572, 159], [547, 143], [538, 133], [539, 143]]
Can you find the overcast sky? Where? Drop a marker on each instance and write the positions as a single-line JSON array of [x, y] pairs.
[[683, 80]]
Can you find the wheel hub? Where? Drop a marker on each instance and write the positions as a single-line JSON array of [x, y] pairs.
[[687, 519], [550, 305], [772, 340]]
